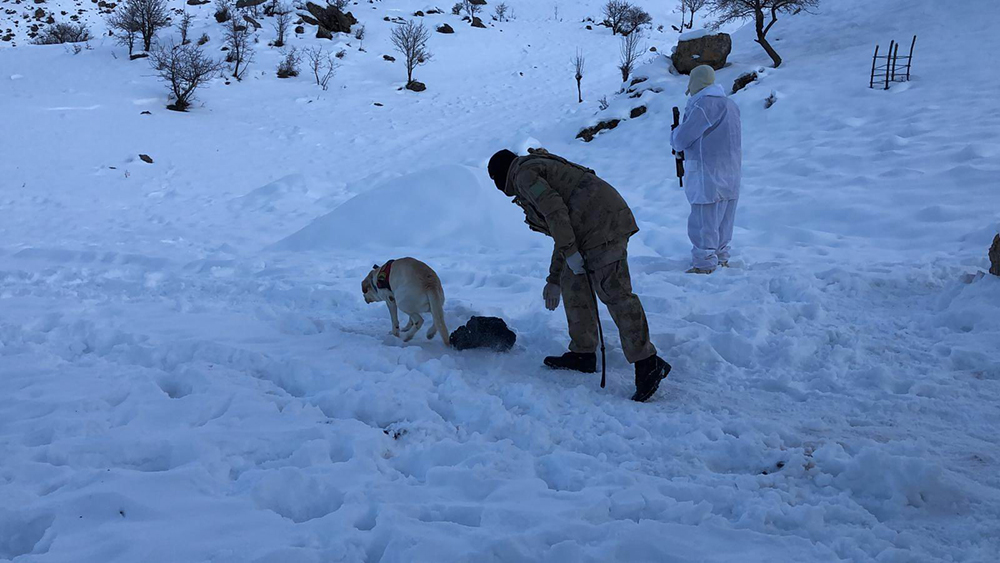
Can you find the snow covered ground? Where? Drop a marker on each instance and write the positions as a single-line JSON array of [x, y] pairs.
[[188, 371]]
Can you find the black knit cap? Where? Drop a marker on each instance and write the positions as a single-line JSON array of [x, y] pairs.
[[498, 167]]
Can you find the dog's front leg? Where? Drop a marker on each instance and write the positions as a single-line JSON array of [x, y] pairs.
[[394, 315]]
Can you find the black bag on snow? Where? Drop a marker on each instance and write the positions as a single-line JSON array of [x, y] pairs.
[[484, 332]]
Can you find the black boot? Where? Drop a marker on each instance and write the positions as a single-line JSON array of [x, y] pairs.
[[648, 374], [587, 363]]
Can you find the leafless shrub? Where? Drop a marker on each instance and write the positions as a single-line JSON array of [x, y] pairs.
[[631, 49], [203, 39], [153, 15], [687, 9], [359, 34], [500, 12], [184, 26], [223, 10], [240, 41], [578, 65], [124, 24], [63, 33], [282, 21], [324, 66], [614, 14], [184, 68], [410, 40], [603, 103], [456, 10], [289, 66], [635, 17]]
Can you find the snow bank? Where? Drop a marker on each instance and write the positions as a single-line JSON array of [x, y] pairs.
[[695, 34], [447, 207]]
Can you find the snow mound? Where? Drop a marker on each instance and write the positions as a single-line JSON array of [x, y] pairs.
[[452, 207]]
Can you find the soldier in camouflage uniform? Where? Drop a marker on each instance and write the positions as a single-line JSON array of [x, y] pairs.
[[591, 225]]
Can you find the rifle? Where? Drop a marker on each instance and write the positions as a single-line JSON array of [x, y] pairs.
[[679, 159]]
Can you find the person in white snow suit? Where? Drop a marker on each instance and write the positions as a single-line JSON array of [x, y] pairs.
[[710, 137]]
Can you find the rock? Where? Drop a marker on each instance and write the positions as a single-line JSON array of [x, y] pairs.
[[329, 18], [704, 50], [995, 256], [323, 33], [636, 112], [418, 14], [240, 4], [378, 104], [389, 58], [416, 86], [39, 14], [138, 56], [476, 22], [589, 133], [652, 49], [299, 30], [477, 2], [196, 2], [590, 27], [744, 79], [146, 158], [445, 28], [146, 113]]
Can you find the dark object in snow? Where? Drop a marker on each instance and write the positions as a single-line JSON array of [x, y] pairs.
[[652, 49], [196, 2], [648, 375], [770, 100], [329, 20], [743, 80], [589, 133], [484, 332], [636, 112], [299, 30], [445, 28], [995, 256], [418, 14], [146, 158], [476, 22], [240, 4], [893, 69], [146, 113], [138, 56], [389, 58], [712, 50], [251, 21], [416, 86]]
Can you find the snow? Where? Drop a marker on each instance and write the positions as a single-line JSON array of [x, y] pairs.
[[189, 371], [693, 34]]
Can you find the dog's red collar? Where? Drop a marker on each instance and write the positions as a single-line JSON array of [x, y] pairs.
[[382, 276]]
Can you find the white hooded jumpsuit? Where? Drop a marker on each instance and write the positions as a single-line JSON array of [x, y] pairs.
[[710, 136]]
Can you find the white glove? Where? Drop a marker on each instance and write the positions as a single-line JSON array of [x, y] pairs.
[[575, 263], [551, 296]]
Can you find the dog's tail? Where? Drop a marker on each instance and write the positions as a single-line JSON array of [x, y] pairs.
[[436, 298]]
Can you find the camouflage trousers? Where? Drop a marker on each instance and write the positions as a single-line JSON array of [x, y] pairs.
[[613, 285]]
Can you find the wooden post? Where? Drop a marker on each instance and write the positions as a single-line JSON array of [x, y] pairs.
[[895, 57], [888, 59], [871, 81], [909, 60]]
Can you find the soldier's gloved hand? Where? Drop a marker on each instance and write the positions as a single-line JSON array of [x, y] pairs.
[[551, 296], [575, 263]]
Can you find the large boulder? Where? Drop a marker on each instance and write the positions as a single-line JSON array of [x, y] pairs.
[[701, 48], [995, 256], [329, 19]]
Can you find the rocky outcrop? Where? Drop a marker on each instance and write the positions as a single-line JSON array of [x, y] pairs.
[[445, 28], [328, 20], [699, 50], [589, 133], [995, 256], [743, 80]]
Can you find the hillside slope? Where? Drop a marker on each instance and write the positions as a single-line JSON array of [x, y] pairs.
[[189, 372]]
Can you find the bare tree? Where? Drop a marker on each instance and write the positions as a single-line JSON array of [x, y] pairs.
[[124, 23], [153, 15], [282, 20], [471, 9], [184, 68], [410, 40], [634, 18], [764, 13], [578, 64], [500, 12], [322, 64], [614, 14], [687, 9], [184, 26], [631, 49], [239, 39]]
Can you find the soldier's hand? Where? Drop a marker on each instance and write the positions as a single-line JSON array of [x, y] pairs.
[[575, 263], [551, 296]]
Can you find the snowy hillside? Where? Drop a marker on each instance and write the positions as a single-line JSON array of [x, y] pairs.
[[188, 371]]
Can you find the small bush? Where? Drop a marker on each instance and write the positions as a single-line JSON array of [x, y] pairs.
[[63, 33], [456, 10], [289, 66], [184, 68], [222, 11], [203, 39], [341, 54]]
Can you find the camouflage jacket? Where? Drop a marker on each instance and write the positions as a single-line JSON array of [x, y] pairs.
[[569, 203]]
